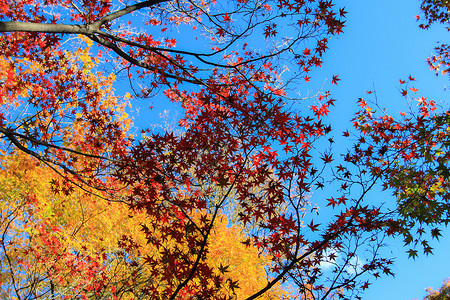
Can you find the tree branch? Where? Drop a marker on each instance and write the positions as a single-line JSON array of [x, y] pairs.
[[125, 11], [15, 26]]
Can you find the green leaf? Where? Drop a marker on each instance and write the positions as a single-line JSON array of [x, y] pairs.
[[412, 253], [436, 233]]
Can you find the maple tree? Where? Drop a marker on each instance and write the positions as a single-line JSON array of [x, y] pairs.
[[244, 171]]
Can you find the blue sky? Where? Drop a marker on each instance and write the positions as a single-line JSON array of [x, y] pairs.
[[380, 45]]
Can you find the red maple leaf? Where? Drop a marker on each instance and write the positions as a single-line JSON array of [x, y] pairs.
[[313, 227], [220, 32], [340, 168], [335, 79], [226, 18], [327, 158]]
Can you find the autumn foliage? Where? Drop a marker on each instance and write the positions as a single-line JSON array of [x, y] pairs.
[[223, 204], [77, 245], [442, 294]]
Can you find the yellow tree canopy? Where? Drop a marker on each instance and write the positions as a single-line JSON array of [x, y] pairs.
[[78, 245]]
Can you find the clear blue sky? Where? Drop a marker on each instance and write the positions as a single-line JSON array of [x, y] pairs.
[[381, 44]]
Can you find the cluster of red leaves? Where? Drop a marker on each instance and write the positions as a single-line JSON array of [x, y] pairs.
[[440, 62], [226, 147], [84, 274]]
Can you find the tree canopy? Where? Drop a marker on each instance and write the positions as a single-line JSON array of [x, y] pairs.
[[224, 203]]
